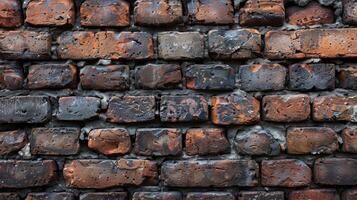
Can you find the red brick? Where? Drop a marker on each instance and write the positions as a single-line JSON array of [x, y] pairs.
[[314, 194], [334, 108], [12, 141], [24, 174], [9, 196], [10, 15], [111, 141], [210, 12], [350, 194], [210, 196], [285, 173], [76, 108], [335, 171], [312, 43], [261, 195], [114, 13], [101, 174], [157, 196], [103, 196], [349, 137], [349, 14], [11, 77], [50, 196], [210, 173], [347, 76], [262, 13]]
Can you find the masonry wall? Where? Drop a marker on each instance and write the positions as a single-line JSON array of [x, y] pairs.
[[175, 100]]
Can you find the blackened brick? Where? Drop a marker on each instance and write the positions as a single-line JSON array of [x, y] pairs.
[[9, 196], [10, 13], [350, 194], [347, 76], [335, 108], [11, 77], [335, 171], [349, 12], [78, 108], [50, 196], [349, 138], [210, 196], [210, 12], [103, 196], [261, 195], [12, 141], [157, 196]]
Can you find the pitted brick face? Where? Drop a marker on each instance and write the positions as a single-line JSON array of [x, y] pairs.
[[53, 196], [10, 15], [104, 195], [317, 194], [157, 196], [210, 195], [11, 77], [12, 141]]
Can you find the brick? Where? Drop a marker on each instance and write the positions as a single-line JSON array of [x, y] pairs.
[[11, 77], [347, 76], [261, 195], [312, 43], [349, 138], [183, 108], [79, 45], [210, 173], [114, 13], [314, 194], [25, 45], [210, 196], [110, 141], [262, 13], [158, 76], [9, 196], [12, 141], [181, 45], [234, 44], [285, 173], [349, 14], [158, 12], [25, 109], [103, 196], [210, 77], [129, 109], [23, 174], [312, 14], [335, 171], [236, 108], [50, 12], [10, 15], [55, 141], [334, 108], [286, 108], [51, 196], [78, 108], [158, 142], [206, 141], [256, 141], [112, 77], [101, 174], [305, 77], [210, 12], [262, 77], [349, 194], [157, 196], [52, 76]]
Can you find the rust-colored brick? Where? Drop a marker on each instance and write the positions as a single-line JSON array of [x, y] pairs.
[[350, 194], [10, 13], [12, 141], [335, 171], [210, 11], [349, 138], [210, 195], [315, 194], [51, 196], [104, 196], [334, 108], [78, 108], [261, 195], [11, 77], [347, 76], [157, 196]]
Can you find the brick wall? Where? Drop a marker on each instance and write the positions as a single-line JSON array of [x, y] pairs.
[[178, 100]]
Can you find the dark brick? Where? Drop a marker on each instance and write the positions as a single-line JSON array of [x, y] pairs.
[[11, 141], [78, 108], [24, 174], [50, 196], [210, 173], [52, 76], [210, 196], [158, 142], [347, 76], [261, 195], [105, 13], [335, 108], [112, 77], [314, 194], [183, 108], [101, 174], [210, 77], [25, 109], [349, 138], [129, 109], [11, 77], [236, 108], [234, 44], [262, 77], [335, 171], [104, 196], [9, 196], [285, 173], [158, 76], [350, 194], [111, 141], [349, 12], [157, 196], [10, 15], [210, 12]]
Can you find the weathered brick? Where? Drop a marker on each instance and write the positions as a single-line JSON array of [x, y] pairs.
[[181, 45], [210, 77], [23, 174], [261, 195], [110, 141], [50, 12], [105, 13], [206, 141], [256, 141], [312, 14], [158, 142], [25, 109], [157, 196], [234, 44], [210, 196], [25, 45], [335, 171], [104, 196], [285, 173], [10, 15], [50, 196], [349, 137], [183, 108], [210, 173], [262, 77], [335, 108], [314, 194], [311, 43], [262, 13], [78, 108], [11, 141], [158, 12], [128, 109], [109, 173], [105, 44], [11, 77], [112, 77], [158, 76], [312, 77], [286, 108], [9, 196], [350, 194], [55, 141], [210, 12], [347, 76], [349, 12], [52, 76], [236, 108]]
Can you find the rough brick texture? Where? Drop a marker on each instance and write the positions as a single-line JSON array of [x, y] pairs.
[[11, 77], [12, 141], [10, 13], [210, 11], [110, 141]]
